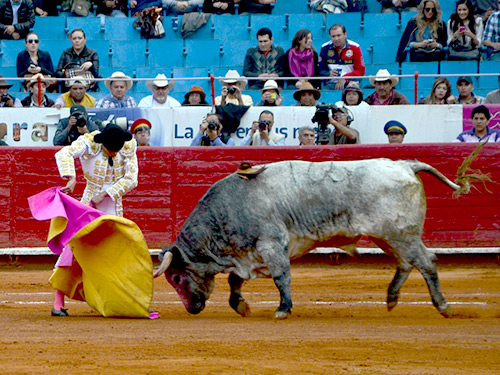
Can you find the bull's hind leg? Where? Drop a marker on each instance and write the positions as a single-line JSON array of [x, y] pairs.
[[236, 300]]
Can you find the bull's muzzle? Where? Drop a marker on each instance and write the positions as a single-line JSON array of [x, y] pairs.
[[196, 304]]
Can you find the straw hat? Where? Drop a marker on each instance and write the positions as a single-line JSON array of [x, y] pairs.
[[3, 82], [270, 85], [118, 76], [307, 87], [160, 81], [384, 75], [195, 90], [353, 86], [232, 76], [34, 80]]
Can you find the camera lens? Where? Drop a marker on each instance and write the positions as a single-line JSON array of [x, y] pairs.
[[231, 90]]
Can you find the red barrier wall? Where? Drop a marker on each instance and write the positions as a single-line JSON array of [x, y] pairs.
[[172, 180]]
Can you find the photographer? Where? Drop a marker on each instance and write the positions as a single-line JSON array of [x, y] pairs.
[[232, 86], [5, 99], [210, 133], [69, 129], [261, 134], [343, 134]]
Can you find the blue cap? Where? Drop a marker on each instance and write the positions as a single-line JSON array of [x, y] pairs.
[[394, 126]]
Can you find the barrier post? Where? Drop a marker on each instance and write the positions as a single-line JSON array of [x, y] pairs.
[[212, 87], [39, 85], [416, 89]]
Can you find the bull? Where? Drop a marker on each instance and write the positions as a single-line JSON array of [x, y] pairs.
[[253, 226]]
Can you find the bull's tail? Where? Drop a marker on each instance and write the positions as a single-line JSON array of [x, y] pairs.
[[464, 181]]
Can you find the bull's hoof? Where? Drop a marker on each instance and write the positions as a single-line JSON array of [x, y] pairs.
[[240, 306], [447, 312], [280, 315], [392, 301]]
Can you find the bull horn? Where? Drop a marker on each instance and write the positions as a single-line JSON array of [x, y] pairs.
[[167, 259]]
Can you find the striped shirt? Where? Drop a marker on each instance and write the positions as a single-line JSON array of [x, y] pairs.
[[493, 135]]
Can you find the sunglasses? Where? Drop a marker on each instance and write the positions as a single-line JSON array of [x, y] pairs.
[[33, 41], [430, 9]]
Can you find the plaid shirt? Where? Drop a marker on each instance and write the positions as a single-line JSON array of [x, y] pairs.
[[109, 101], [492, 30]]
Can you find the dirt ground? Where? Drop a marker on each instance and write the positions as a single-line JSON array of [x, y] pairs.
[[340, 325]]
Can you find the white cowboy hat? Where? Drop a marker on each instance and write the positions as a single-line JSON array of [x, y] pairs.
[[232, 76], [118, 76], [160, 81], [270, 85], [384, 75]]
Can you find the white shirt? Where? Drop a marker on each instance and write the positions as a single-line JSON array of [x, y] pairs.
[[149, 102]]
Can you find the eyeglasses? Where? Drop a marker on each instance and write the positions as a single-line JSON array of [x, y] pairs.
[[36, 41], [430, 9]]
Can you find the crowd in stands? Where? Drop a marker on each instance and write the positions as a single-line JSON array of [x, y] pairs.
[[472, 32]]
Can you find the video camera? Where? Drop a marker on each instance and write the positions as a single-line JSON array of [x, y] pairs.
[[321, 118]]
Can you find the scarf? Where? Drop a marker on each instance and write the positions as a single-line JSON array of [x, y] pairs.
[[301, 63]]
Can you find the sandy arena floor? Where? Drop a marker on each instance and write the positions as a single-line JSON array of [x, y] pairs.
[[340, 325]]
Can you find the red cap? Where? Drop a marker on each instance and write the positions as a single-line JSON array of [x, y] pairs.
[[139, 123]]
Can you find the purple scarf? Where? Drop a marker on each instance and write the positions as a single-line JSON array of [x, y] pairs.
[[301, 63]]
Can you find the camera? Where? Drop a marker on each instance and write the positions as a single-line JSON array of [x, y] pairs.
[[321, 118], [4, 97], [81, 121], [263, 125], [212, 125], [231, 90]]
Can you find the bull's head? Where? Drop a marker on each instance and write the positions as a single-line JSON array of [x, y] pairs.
[[193, 285]]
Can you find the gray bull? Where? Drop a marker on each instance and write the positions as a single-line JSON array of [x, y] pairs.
[[252, 227]]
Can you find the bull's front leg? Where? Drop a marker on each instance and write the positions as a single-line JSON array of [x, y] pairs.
[[236, 300]]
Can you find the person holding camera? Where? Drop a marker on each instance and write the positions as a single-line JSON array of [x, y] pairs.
[[340, 118], [271, 94], [232, 86], [6, 100], [37, 90], [261, 133], [210, 133], [69, 129]]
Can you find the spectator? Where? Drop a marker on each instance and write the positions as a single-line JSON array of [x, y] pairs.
[[485, 8], [481, 132], [182, 6], [398, 6], [302, 59], [395, 131], [219, 6], [440, 93], [493, 97], [261, 133], [45, 8], [160, 87], [35, 90], [6, 100], [343, 133], [17, 17], [137, 6], [465, 32], [33, 60], [352, 95], [340, 58], [271, 94], [257, 6], [78, 56], [118, 85], [306, 95], [338, 6], [491, 38], [384, 93], [466, 96], [210, 133], [77, 94], [232, 87], [425, 34], [112, 8], [3, 133], [70, 128], [195, 97], [264, 61], [307, 136], [141, 130]]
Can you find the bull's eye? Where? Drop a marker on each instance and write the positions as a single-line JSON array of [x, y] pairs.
[[177, 279]]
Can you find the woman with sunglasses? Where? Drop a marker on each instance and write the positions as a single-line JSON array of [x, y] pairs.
[[32, 60], [425, 34]]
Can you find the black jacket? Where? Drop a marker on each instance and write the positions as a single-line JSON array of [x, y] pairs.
[[70, 59], [44, 62], [25, 16]]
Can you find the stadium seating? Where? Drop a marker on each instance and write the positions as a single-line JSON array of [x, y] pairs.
[[165, 53], [9, 49], [93, 26], [51, 27], [314, 22], [119, 28], [185, 85]]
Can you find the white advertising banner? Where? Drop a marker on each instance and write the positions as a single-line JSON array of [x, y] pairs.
[[177, 127]]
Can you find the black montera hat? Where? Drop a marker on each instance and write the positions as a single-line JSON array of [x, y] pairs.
[[113, 137]]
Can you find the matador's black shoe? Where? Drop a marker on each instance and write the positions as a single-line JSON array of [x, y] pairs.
[[62, 312]]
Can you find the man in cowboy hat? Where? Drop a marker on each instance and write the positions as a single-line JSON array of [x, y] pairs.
[[77, 94], [109, 164], [232, 85], [70, 128], [306, 95], [141, 129], [160, 87], [118, 84], [261, 133], [195, 97], [271, 94], [395, 131], [264, 61], [35, 88], [384, 93], [6, 100]]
